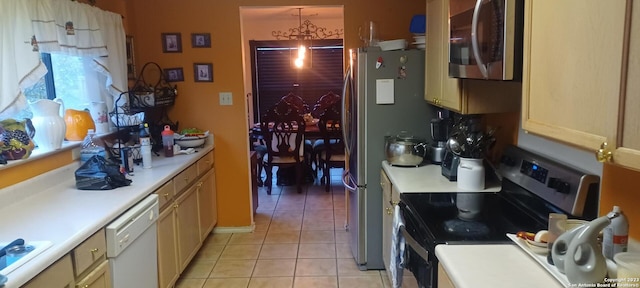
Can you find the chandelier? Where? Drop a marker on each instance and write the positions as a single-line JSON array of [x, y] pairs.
[[305, 32]]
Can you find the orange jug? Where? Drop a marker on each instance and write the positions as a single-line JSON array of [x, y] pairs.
[[78, 123]]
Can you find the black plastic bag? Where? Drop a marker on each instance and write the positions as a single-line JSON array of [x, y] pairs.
[[99, 173]]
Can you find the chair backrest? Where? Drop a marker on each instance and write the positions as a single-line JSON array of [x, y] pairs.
[[331, 129], [282, 129], [297, 102], [325, 101]]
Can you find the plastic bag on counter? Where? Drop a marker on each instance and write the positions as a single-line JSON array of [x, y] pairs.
[[99, 173]]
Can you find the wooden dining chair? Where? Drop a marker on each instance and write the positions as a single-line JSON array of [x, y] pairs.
[[325, 102], [297, 102], [332, 154], [282, 129]]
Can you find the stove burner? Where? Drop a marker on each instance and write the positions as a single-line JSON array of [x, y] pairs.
[[466, 228]]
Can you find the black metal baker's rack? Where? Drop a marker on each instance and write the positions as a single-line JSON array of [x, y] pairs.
[[153, 98]]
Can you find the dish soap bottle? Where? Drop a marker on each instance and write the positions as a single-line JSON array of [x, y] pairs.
[[616, 234], [91, 146]]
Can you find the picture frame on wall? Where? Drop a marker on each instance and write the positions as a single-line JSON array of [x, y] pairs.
[[174, 74], [203, 72], [201, 40], [171, 43], [131, 65]]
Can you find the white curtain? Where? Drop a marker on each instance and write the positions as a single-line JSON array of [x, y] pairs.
[[20, 64], [29, 27]]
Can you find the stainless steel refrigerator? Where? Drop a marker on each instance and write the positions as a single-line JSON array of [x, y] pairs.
[[383, 95]]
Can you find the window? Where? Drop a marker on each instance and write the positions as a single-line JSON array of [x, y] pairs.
[[274, 74], [70, 78]]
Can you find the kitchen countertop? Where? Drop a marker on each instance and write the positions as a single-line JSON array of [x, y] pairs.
[[491, 266], [49, 208], [428, 179]]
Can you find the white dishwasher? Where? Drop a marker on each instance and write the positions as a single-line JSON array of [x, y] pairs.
[[132, 246]]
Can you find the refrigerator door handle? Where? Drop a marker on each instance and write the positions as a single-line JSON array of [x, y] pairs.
[[346, 129], [346, 181]]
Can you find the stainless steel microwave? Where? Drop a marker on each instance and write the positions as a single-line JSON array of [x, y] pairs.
[[485, 39]]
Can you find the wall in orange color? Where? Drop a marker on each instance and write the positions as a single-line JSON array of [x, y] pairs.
[[621, 187], [197, 103]]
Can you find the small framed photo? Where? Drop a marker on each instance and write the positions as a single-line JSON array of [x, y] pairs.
[[203, 72], [201, 40], [171, 43], [174, 74]]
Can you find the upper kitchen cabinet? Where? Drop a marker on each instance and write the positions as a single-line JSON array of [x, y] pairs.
[[576, 56], [464, 96], [627, 152]]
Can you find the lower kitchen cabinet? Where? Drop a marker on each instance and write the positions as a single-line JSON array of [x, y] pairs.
[[390, 198], [168, 270], [100, 277], [188, 231], [187, 219], [443, 278], [206, 203], [86, 266], [59, 274]]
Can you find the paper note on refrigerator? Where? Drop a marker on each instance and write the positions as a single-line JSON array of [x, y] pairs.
[[384, 91]]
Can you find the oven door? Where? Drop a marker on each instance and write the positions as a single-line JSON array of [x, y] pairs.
[[418, 260], [482, 35]]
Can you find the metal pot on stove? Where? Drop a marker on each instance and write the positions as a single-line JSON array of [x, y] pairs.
[[405, 150]]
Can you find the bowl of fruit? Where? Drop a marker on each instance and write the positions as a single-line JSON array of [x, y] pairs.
[[191, 137]]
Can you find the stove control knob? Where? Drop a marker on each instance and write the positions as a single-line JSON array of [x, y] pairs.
[[559, 185]]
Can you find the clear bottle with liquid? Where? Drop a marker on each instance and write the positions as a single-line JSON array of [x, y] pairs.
[[145, 145], [91, 146]]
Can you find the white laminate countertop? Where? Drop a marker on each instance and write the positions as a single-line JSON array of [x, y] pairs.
[[492, 266], [427, 179], [49, 208]]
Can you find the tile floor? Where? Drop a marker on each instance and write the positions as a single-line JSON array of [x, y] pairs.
[[299, 241]]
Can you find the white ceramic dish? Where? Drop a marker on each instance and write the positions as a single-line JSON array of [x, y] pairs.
[[190, 141], [390, 45]]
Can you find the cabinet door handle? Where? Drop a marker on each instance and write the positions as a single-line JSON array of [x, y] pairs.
[[94, 250], [604, 154], [388, 210], [166, 195]]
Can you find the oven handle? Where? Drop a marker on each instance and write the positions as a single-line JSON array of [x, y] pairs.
[[414, 244], [474, 39]]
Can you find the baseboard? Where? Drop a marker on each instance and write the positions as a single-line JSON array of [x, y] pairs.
[[241, 229]]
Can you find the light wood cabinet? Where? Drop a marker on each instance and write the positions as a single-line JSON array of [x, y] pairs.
[[572, 66], [390, 198], [443, 278], [188, 226], [627, 148], [59, 274], [207, 203], [90, 252], [465, 96], [100, 277], [187, 219], [168, 269]]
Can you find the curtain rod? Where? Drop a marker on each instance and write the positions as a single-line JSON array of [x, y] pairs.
[[93, 3]]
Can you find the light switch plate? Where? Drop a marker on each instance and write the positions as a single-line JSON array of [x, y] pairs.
[[226, 98]]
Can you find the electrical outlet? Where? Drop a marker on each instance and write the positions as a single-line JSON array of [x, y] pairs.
[[226, 98]]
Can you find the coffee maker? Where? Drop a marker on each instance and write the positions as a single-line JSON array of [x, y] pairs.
[[439, 134]]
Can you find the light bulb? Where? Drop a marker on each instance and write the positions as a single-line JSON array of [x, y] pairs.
[[298, 62], [302, 50]]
